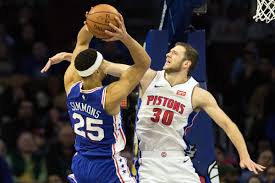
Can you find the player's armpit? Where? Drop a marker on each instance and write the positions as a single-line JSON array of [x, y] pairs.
[[147, 79], [114, 69], [202, 99], [119, 90], [70, 77]]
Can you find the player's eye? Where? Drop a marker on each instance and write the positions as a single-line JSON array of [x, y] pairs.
[[174, 52]]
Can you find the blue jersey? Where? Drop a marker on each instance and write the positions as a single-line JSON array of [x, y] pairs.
[[97, 133]]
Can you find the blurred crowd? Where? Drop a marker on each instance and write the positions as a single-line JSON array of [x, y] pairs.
[[36, 139], [244, 84]]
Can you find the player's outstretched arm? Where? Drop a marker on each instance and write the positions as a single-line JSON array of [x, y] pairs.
[[130, 78], [56, 59], [205, 100], [83, 40], [110, 68]]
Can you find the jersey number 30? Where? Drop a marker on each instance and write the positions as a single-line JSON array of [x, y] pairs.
[[89, 128], [167, 117]]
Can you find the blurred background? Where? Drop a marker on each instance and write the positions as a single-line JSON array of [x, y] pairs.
[[36, 139]]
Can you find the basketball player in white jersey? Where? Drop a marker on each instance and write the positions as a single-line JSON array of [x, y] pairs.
[[167, 99]]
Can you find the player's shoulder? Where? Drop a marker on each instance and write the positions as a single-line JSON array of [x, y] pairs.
[[151, 73], [200, 92], [200, 96]]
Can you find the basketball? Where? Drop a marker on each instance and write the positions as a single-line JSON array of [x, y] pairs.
[[98, 20]]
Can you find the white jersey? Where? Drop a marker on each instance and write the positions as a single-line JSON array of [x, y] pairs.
[[163, 114]]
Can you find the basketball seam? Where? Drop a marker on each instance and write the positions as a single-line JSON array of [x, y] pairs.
[[103, 12], [93, 33], [97, 22]]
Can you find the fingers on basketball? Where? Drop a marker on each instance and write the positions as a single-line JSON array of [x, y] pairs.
[[109, 33], [119, 22], [116, 29]]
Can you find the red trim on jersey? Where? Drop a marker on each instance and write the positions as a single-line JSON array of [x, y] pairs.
[[117, 170], [87, 91], [113, 149], [115, 127], [116, 137]]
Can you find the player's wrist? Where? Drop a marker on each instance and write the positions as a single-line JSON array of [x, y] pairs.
[[244, 156], [68, 56], [127, 39]]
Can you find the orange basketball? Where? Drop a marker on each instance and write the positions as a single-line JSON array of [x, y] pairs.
[[98, 20]]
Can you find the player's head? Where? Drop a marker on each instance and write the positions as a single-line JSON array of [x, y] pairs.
[[181, 57], [88, 62]]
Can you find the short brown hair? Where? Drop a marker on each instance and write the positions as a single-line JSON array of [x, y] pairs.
[[190, 54]]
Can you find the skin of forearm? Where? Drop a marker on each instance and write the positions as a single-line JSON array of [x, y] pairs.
[[114, 69], [84, 36], [68, 56], [237, 139]]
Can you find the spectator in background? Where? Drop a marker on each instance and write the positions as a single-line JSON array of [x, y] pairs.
[[53, 123], [270, 174], [5, 38], [61, 152], [229, 27], [25, 41], [220, 154], [228, 174], [254, 179], [249, 54], [7, 66], [5, 173], [270, 111], [31, 64], [258, 31], [25, 15], [265, 158], [26, 165], [25, 120], [54, 179], [40, 141]]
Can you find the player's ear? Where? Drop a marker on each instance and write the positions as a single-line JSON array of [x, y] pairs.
[[187, 63]]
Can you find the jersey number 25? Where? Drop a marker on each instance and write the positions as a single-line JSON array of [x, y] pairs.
[[87, 124]]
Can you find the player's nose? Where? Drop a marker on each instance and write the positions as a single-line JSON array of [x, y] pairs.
[[168, 54]]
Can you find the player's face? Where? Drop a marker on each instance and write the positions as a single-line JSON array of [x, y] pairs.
[[174, 59]]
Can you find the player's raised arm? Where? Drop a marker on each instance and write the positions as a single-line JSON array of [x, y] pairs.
[[83, 40], [132, 76], [110, 68], [203, 99]]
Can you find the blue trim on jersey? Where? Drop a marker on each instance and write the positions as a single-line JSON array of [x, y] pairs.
[[190, 121], [137, 165], [138, 107]]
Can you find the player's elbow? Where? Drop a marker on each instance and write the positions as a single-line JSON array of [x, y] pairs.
[[146, 63]]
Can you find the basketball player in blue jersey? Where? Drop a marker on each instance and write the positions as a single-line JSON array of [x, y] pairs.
[[94, 109], [167, 99]]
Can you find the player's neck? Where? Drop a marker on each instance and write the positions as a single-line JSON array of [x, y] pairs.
[[91, 85], [175, 78]]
